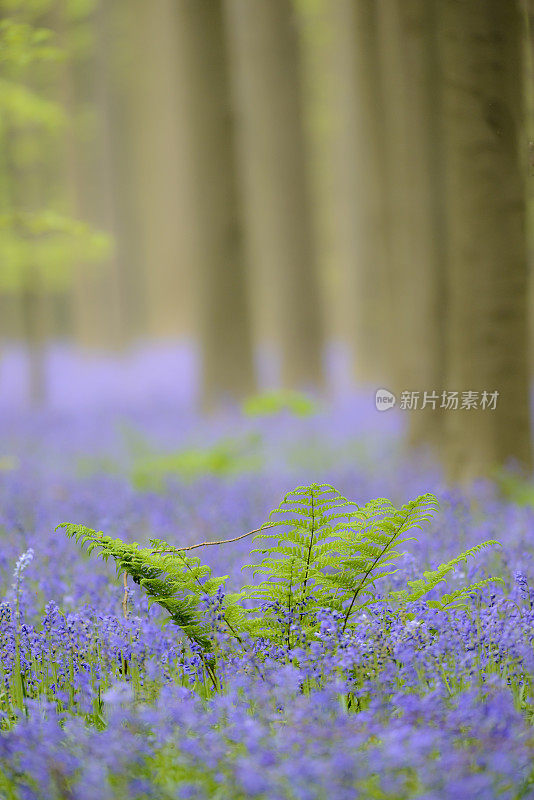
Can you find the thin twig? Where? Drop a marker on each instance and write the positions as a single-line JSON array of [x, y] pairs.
[[205, 544]]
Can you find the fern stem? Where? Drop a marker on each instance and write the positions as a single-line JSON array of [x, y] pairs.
[[371, 568], [230, 627], [289, 606], [312, 531], [125, 596], [210, 672]]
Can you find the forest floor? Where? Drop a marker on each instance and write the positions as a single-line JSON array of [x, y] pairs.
[[100, 700]]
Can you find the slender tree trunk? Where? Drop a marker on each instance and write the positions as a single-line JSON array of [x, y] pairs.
[[34, 333], [395, 155], [358, 167], [415, 239], [120, 67], [487, 265], [276, 201], [104, 295], [314, 32], [216, 255], [528, 52], [416, 229], [160, 163], [425, 262], [24, 190], [83, 305]]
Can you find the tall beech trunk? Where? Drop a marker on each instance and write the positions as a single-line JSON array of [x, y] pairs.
[[487, 265], [414, 238], [216, 254], [357, 160], [275, 190], [416, 247], [103, 295], [528, 56], [32, 312], [159, 165], [24, 189]]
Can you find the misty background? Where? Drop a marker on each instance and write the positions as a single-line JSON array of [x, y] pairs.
[[213, 198]]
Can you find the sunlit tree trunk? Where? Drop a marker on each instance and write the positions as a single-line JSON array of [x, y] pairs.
[[276, 201], [487, 265], [216, 254]]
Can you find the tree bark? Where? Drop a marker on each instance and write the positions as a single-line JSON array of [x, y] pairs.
[[216, 255], [415, 235], [275, 191], [480, 45], [104, 309], [31, 300], [528, 54], [358, 168], [159, 164]]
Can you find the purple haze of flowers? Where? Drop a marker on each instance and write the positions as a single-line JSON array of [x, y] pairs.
[[415, 705]]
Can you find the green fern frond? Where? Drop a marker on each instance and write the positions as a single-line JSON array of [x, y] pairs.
[[338, 549], [175, 581], [318, 550], [422, 586], [456, 599]]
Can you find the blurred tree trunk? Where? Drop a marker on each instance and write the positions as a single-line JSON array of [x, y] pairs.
[[481, 45], [528, 51], [314, 32], [276, 200], [25, 181], [78, 177], [122, 63], [34, 328], [159, 165], [105, 306], [24, 191], [415, 236], [209, 180], [358, 192]]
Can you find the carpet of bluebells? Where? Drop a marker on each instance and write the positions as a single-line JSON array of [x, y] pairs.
[[96, 705]]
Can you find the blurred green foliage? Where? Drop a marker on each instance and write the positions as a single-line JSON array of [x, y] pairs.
[[40, 244], [43, 246], [225, 458], [271, 403], [22, 44], [8, 463], [515, 487], [149, 468]]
